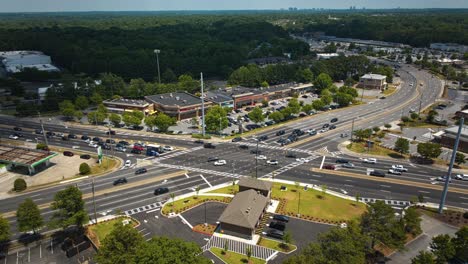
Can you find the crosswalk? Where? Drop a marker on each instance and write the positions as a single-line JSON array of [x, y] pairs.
[[393, 203], [220, 173], [276, 147], [178, 153], [240, 247], [153, 206], [325, 152], [287, 167]]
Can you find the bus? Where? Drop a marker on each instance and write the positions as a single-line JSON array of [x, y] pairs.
[[153, 150]]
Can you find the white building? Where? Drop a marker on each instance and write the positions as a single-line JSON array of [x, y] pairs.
[[16, 61], [326, 56], [449, 47], [373, 81]]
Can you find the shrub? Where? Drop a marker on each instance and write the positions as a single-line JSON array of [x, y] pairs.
[[84, 168], [19, 185], [41, 146]]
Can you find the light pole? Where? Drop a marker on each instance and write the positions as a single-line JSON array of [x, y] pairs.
[[202, 104], [42, 127], [157, 51], [352, 129], [256, 161]]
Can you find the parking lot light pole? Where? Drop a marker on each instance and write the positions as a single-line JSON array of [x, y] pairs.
[[157, 51], [206, 223], [202, 104]]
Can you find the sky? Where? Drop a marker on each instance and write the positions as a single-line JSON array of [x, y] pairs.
[[156, 5]]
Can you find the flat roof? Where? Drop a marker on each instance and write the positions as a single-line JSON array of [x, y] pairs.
[[374, 76], [245, 209], [177, 99], [23, 156], [127, 102], [218, 96], [454, 130]]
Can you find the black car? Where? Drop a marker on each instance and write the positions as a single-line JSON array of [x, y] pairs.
[[334, 120], [298, 132], [263, 138], [96, 139], [161, 190], [85, 156], [325, 125], [277, 225], [209, 145], [105, 146], [18, 134], [38, 131], [68, 153], [17, 129], [281, 218], [110, 141], [72, 136], [377, 173], [275, 233], [290, 155], [120, 181], [85, 137], [332, 127], [254, 151], [342, 161], [269, 123], [49, 133], [125, 143], [280, 133], [213, 159], [199, 141], [136, 151], [141, 171], [111, 132], [236, 139], [244, 147], [65, 138], [137, 127]]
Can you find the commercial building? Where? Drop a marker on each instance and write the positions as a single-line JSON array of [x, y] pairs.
[[15, 156], [16, 61], [180, 105], [447, 139], [249, 183], [449, 47], [220, 97], [122, 105], [373, 81], [326, 56]]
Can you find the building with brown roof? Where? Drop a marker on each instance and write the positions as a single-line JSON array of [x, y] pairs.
[[247, 183]]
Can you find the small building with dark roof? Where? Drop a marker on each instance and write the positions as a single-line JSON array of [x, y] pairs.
[[249, 183], [121, 105], [220, 97], [180, 105], [243, 214]]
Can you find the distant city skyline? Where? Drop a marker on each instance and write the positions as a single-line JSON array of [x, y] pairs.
[[159, 5]]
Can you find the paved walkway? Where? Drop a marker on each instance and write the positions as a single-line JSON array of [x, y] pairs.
[[240, 247]]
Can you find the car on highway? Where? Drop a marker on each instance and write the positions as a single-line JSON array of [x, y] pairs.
[[209, 145], [291, 155], [161, 190], [125, 143], [106, 146], [128, 163], [93, 144], [120, 181], [281, 218], [343, 135], [17, 129], [272, 162], [303, 160], [85, 156], [261, 157], [281, 226], [275, 233], [394, 171], [255, 151], [15, 137], [348, 165], [342, 161], [329, 167], [377, 173], [220, 163], [298, 132], [199, 141], [333, 120], [85, 138], [110, 132], [72, 136], [68, 153], [332, 127], [462, 177], [399, 168], [96, 139], [280, 133], [244, 147], [168, 148], [141, 171], [38, 131], [370, 160], [122, 149], [442, 178], [110, 141], [325, 125], [138, 147], [210, 159], [236, 139]]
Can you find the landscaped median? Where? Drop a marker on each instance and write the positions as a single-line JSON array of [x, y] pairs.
[[183, 204], [98, 232], [276, 245], [234, 258]]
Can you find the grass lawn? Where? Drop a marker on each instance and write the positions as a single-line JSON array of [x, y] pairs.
[[389, 91], [101, 230], [360, 147], [234, 258], [276, 245], [421, 124], [329, 207], [189, 202], [107, 164], [226, 190]]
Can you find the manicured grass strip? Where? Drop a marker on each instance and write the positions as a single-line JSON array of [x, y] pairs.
[[101, 230], [106, 164], [234, 258], [276, 245], [361, 147], [184, 204], [315, 204], [226, 190]]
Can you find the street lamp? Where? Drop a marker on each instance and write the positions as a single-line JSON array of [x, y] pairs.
[[157, 61]]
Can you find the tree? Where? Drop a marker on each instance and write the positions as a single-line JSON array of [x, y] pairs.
[[120, 246], [423, 257], [409, 59], [256, 115], [5, 232], [168, 76], [326, 99], [294, 106], [442, 248], [172, 195], [402, 145], [132, 118], [264, 84], [276, 116], [69, 207], [431, 116], [307, 108], [67, 109], [168, 250], [460, 158], [414, 116], [96, 98], [323, 81], [226, 247], [187, 83], [412, 221], [318, 105], [96, 117], [387, 126], [163, 122], [115, 119], [81, 102], [29, 216], [305, 75], [376, 129], [405, 119], [429, 150], [342, 99], [84, 168], [19, 185], [380, 225], [330, 48], [460, 243], [362, 133], [216, 119]]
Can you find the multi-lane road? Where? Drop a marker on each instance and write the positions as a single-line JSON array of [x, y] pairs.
[[184, 169]]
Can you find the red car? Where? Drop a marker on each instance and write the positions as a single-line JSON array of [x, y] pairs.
[[138, 147], [68, 153], [329, 167]]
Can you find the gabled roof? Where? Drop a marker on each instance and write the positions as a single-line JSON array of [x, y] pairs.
[[245, 209], [252, 183]]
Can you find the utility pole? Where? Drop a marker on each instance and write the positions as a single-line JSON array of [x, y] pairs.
[[157, 61], [449, 173], [94, 203], [256, 161], [420, 102], [43, 131], [352, 130], [202, 105]]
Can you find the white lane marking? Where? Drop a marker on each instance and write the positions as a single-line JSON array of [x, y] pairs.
[[154, 210], [185, 221], [385, 186], [464, 198], [385, 191], [186, 175], [206, 180], [323, 160], [424, 192]]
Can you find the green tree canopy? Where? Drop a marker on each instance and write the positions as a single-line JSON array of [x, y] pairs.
[[216, 119], [423, 257], [318, 105], [256, 115], [412, 221], [163, 122], [460, 243], [29, 216], [115, 119], [69, 208], [96, 117], [323, 81], [429, 150], [294, 105], [121, 245], [443, 248], [276, 116], [81, 102], [402, 145], [5, 231]]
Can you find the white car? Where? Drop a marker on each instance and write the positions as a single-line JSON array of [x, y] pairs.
[[399, 168], [168, 148], [442, 179], [323, 130], [394, 171], [128, 163], [272, 162], [87, 140], [219, 163], [462, 177], [304, 160], [370, 160], [92, 144], [310, 131], [261, 157], [13, 137]]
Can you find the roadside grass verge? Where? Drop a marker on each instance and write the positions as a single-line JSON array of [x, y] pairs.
[[106, 165], [361, 147], [227, 190], [234, 258], [182, 205], [99, 231]]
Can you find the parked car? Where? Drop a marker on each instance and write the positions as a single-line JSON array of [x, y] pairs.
[[68, 153], [125, 143], [138, 147], [84, 137], [329, 167], [281, 226], [210, 159], [342, 161], [168, 148], [120, 181], [121, 149], [281, 218], [161, 190], [272, 162], [334, 120], [394, 171], [236, 139], [38, 131], [110, 141], [377, 173], [399, 168], [85, 156], [199, 141], [332, 127], [347, 165], [219, 163], [92, 144], [128, 163], [370, 160], [141, 171], [17, 129], [261, 157], [96, 139]]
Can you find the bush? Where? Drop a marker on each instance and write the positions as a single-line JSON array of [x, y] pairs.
[[84, 168], [19, 185], [42, 146]]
